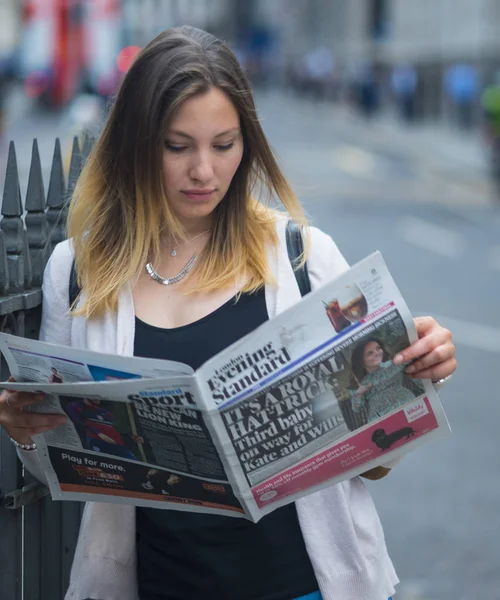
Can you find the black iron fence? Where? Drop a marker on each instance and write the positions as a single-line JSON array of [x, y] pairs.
[[37, 536]]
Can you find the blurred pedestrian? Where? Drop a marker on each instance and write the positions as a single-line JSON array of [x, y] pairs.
[[169, 188], [404, 82], [462, 87], [367, 88], [319, 72], [490, 101]]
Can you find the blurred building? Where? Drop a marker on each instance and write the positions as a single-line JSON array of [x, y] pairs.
[[143, 19], [454, 45], [9, 42], [64, 47], [10, 16], [433, 36]]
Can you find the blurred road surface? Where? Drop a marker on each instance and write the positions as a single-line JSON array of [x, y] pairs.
[[429, 208], [423, 198]]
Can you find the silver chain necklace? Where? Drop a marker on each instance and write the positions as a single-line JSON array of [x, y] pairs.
[[182, 273], [170, 280]]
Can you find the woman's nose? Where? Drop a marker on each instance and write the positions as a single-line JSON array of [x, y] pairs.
[[201, 168]]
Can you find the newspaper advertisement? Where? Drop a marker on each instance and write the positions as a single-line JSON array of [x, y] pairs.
[[308, 399]]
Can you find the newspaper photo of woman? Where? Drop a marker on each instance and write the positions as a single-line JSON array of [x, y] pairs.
[[55, 376], [379, 382]]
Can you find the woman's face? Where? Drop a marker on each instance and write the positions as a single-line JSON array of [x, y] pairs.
[[203, 150], [373, 355]]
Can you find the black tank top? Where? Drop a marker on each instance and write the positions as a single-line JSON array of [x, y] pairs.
[[190, 556]]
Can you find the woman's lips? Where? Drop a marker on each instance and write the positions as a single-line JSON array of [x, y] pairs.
[[198, 195]]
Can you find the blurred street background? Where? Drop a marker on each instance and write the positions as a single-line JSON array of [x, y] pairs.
[[386, 117]]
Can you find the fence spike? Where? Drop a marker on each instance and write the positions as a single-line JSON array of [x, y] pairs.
[[11, 203], [35, 195], [38, 250], [88, 142], [4, 267], [75, 167], [12, 224], [55, 196], [28, 276]]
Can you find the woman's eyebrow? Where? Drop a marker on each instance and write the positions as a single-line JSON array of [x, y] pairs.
[[186, 135]]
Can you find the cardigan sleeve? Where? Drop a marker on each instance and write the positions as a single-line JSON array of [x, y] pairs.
[[56, 323]]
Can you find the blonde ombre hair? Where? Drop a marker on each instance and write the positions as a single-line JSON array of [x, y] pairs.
[[119, 211]]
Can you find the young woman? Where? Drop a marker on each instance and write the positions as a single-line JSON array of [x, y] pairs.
[[379, 381], [176, 260]]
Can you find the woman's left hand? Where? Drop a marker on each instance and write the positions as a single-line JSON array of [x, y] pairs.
[[432, 355]]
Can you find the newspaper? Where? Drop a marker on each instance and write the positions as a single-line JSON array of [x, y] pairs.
[[308, 399]]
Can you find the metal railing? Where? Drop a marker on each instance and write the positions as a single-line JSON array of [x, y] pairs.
[[37, 536]]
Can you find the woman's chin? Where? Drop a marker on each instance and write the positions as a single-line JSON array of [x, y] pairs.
[[188, 214]]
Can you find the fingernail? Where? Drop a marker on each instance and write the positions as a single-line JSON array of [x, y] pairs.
[[398, 359]]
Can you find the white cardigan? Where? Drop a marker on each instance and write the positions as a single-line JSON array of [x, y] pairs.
[[340, 525]]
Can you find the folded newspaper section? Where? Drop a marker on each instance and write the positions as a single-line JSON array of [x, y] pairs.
[[30, 360], [298, 431], [312, 397], [308, 399], [148, 438]]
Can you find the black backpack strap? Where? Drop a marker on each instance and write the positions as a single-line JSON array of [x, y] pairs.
[[74, 288], [295, 248]]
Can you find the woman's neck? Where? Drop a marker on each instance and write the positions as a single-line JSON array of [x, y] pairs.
[[194, 227]]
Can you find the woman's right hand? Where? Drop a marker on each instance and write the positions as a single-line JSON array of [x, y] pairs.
[[21, 425]]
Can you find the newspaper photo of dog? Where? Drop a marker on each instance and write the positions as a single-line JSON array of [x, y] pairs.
[[384, 440]]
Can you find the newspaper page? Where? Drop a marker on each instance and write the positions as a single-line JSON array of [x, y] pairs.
[[306, 400], [312, 397], [34, 361], [138, 443], [143, 441]]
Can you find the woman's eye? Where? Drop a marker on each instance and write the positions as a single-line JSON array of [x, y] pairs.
[[224, 147], [175, 147]]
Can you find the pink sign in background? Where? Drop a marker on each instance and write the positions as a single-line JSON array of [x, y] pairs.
[[408, 424]]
